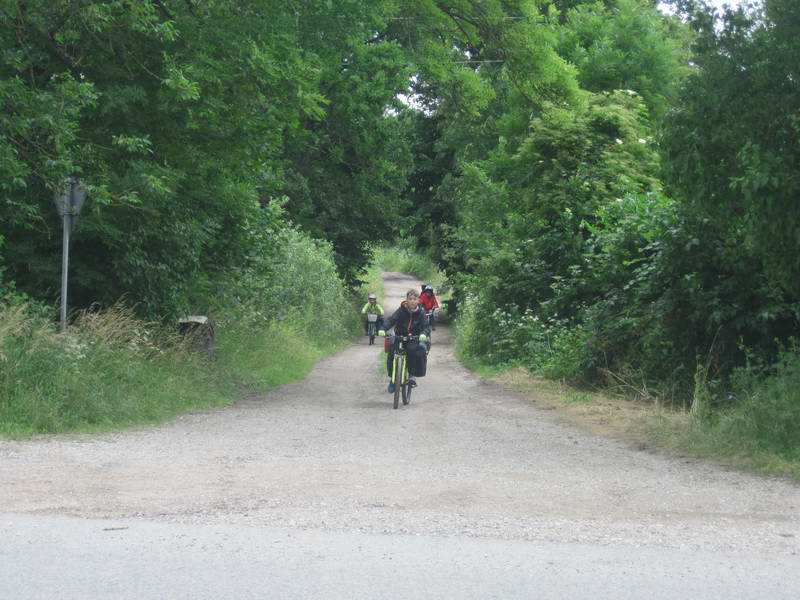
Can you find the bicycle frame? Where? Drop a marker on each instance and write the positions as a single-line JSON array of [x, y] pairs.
[[372, 326], [400, 358], [401, 379]]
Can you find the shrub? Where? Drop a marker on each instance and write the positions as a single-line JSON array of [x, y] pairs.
[[768, 413]]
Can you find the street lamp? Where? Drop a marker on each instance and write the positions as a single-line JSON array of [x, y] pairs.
[[69, 201]]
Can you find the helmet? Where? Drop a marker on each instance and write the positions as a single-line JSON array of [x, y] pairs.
[[425, 286], [428, 288], [372, 297]]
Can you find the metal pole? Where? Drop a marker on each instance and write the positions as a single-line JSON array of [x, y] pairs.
[[67, 220]]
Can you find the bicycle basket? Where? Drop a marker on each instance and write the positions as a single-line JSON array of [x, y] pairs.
[[372, 318]]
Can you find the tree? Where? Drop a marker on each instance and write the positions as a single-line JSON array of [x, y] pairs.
[[626, 44], [182, 117], [731, 146]]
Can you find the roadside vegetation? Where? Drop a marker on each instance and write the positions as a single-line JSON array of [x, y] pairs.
[[114, 369]]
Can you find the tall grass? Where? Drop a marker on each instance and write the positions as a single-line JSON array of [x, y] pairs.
[[110, 370], [753, 422], [264, 354], [757, 424], [299, 314]]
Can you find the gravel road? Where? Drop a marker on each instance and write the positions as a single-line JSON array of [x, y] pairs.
[[467, 464]]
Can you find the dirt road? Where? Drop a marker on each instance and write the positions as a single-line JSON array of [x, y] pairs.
[[465, 461]]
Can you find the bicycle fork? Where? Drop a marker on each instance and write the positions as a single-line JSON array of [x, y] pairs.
[[403, 370]]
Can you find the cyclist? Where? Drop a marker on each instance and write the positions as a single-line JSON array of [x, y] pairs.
[[409, 319], [427, 300], [372, 308]]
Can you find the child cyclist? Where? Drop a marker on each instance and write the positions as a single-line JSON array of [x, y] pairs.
[[428, 302], [372, 308], [409, 319]]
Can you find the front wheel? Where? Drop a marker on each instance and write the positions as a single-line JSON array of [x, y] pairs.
[[371, 334], [398, 378], [407, 392], [406, 387]]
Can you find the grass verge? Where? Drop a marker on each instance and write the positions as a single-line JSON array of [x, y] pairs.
[[272, 355], [112, 370], [730, 437], [276, 316]]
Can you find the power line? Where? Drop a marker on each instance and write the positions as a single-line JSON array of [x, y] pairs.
[[490, 18]]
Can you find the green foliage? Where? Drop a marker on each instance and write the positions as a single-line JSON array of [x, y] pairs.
[[346, 169], [2, 269], [506, 337], [297, 292], [566, 245], [626, 44], [526, 247], [282, 311], [185, 119], [731, 145], [768, 414]]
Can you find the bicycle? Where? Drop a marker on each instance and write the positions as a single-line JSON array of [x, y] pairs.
[[400, 376], [372, 327], [429, 316]]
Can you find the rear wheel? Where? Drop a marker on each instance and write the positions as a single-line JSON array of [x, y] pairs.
[[398, 379]]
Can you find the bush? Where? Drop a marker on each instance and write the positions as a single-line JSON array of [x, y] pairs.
[[553, 349], [768, 414]]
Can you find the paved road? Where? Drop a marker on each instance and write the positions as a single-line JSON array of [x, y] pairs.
[[321, 490]]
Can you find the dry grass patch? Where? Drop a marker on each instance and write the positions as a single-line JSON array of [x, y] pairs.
[[642, 424], [595, 412]]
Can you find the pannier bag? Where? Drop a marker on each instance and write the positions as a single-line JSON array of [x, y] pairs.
[[422, 367]]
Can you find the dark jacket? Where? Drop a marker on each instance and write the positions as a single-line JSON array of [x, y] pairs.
[[408, 323]]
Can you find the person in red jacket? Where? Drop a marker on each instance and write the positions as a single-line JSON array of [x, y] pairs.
[[427, 300]]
